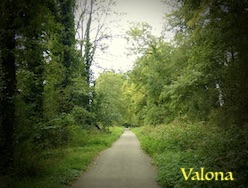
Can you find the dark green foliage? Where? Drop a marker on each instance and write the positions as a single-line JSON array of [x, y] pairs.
[[30, 57], [45, 93], [7, 84], [41, 79], [217, 30]]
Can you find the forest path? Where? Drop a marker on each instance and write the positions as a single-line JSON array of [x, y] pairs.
[[124, 165]]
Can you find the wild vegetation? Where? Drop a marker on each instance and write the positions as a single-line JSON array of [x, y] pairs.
[[195, 145], [188, 95], [58, 167]]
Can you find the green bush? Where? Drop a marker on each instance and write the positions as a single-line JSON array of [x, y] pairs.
[[57, 167], [77, 136], [80, 115], [181, 145], [55, 132]]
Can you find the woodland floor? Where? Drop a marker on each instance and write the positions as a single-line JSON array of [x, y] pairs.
[[123, 165]]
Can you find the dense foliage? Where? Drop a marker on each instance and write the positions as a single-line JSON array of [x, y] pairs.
[[59, 167], [193, 91], [202, 73], [45, 91], [183, 145]]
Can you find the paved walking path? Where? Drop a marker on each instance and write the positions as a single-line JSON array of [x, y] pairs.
[[124, 165]]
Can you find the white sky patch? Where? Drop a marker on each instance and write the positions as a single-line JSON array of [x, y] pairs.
[[115, 58]]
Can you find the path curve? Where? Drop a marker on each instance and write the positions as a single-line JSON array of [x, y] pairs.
[[124, 165]]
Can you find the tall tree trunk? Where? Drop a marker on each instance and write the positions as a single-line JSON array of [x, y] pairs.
[[88, 45], [68, 37], [8, 87]]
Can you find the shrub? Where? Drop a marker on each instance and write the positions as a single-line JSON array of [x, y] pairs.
[[181, 145]]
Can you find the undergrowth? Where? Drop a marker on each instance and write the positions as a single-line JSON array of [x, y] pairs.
[[180, 145], [58, 167]]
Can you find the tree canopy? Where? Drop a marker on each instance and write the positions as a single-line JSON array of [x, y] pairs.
[[201, 74]]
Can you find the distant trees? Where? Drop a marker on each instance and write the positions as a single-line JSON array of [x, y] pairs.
[[109, 105]]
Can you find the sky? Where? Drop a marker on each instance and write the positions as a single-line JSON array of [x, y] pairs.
[[115, 57]]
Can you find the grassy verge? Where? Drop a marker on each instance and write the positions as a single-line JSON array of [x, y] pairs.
[[194, 146], [57, 168]]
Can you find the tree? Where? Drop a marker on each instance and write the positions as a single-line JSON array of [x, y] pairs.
[[32, 40], [140, 38], [92, 26], [93, 20], [8, 83], [108, 104], [216, 54], [153, 71], [65, 17], [35, 37]]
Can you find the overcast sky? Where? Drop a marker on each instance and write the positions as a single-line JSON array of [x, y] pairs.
[[150, 11]]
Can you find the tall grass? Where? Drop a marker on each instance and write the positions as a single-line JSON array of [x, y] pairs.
[[176, 146], [58, 167]]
